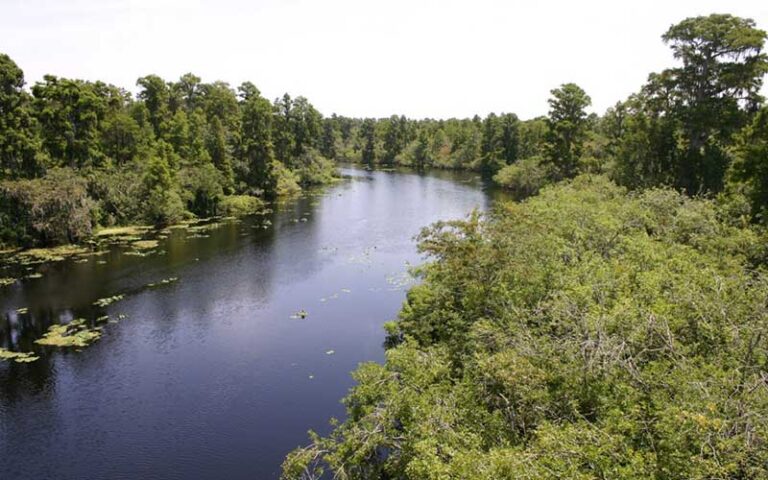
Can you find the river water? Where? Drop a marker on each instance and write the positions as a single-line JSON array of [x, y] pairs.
[[210, 377]]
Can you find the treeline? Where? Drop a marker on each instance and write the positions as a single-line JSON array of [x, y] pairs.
[[76, 154], [594, 330], [701, 127]]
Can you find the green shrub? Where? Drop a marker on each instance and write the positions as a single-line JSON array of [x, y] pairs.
[[238, 205], [46, 211], [524, 177]]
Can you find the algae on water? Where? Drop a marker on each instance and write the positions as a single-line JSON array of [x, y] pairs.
[[103, 302], [74, 334], [18, 357], [165, 281]]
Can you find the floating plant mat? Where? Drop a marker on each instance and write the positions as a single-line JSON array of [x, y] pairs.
[[75, 334], [18, 357], [165, 281], [145, 244], [130, 231], [4, 282], [36, 256], [103, 302]]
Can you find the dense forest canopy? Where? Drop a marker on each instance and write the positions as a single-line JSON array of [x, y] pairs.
[[75, 154]]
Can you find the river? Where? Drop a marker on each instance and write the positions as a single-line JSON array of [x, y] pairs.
[[210, 377]]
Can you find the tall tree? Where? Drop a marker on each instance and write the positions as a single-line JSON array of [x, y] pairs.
[[156, 96], [256, 141], [368, 137], [567, 124], [720, 79], [69, 112], [20, 149]]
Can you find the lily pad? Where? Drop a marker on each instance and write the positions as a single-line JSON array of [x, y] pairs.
[[103, 302], [74, 334], [145, 244], [18, 357]]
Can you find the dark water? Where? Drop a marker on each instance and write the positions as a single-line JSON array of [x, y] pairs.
[[210, 378]]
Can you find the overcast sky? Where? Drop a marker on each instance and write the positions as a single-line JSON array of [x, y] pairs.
[[420, 58]]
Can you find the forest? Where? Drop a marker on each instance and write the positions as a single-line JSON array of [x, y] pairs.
[[613, 324], [76, 155]]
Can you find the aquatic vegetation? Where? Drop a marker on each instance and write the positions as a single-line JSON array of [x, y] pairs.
[[18, 357], [4, 282], [35, 275], [22, 310], [165, 281], [127, 231], [205, 227], [74, 334], [145, 244], [401, 280], [47, 255], [135, 253], [103, 302]]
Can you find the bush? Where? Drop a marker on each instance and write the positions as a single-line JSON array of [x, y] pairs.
[[46, 211], [287, 181], [238, 205], [314, 169], [524, 177]]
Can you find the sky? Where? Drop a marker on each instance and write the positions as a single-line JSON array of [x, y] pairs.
[[363, 58]]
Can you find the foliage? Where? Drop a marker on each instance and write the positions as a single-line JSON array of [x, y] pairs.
[[46, 211], [585, 333], [171, 152], [567, 129], [237, 205], [524, 178]]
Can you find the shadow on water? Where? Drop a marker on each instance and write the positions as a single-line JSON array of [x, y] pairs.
[[210, 376]]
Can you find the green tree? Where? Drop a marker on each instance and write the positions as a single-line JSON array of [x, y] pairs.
[[156, 96], [256, 141], [368, 137], [722, 72], [20, 148], [69, 112], [567, 124], [750, 167]]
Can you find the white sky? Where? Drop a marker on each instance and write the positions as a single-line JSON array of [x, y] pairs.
[[420, 58]]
